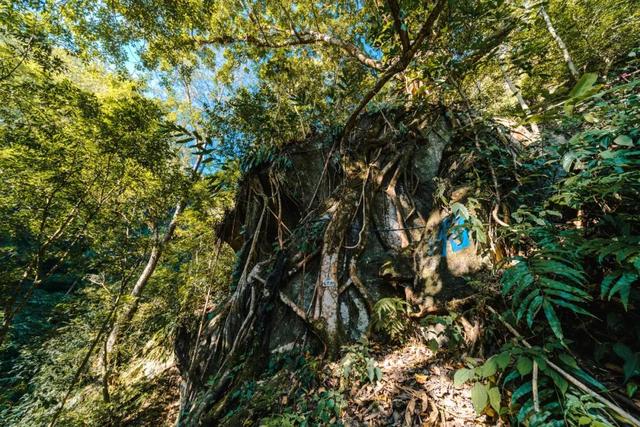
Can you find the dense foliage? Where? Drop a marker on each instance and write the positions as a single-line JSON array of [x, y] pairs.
[[126, 126]]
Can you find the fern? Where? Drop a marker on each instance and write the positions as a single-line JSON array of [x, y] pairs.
[[622, 256], [512, 368], [390, 316], [548, 280]]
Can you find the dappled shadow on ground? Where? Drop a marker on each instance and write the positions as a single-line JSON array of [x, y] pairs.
[[416, 390]]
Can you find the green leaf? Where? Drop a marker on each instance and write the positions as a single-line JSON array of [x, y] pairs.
[[524, 411], [568, 108], [460, 209], [521, 391], [534, 307], [502, 359], [494, 398], [585, 377], [525, 303], [590, 118], [584, 420], [608, 154], [524, 365], [584, 85], [622, 350], [554, 213], [564, 295], [631, 367], [576, 309], [479, 397], [560, 382], [378, 373], [631, 360], [461, 376], [624, 140], [542, 363], [488, 369], [538, 419], [568, 360], [623, 287], [371, 373], [560, 286], [631, 389], [606, 284], [553, 320], [511, 376]]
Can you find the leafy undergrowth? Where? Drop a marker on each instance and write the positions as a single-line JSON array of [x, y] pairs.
[[383, 382], [396, 386]]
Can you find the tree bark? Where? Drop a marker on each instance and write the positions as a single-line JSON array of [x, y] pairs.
[[150, 267], [518, 94], [559, 42]]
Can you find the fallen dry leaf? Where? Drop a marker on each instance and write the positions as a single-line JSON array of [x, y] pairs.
[[408, 413]]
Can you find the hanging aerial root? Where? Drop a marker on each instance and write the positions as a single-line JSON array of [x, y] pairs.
[[316, 327], [355, 280]]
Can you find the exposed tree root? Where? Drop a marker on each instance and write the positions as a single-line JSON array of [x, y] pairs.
[[334, 244]]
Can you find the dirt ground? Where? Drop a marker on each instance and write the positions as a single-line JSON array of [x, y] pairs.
[[416, 390]]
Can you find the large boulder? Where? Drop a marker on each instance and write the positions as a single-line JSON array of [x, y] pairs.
[[323, 231]]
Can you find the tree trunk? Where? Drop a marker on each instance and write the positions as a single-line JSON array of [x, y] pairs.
[[143, 279], [560, 43], [518, 94], [150, 267]]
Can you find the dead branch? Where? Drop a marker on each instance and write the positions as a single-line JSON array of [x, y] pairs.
[[534, 387]]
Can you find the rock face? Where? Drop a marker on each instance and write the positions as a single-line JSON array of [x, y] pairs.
[[322, 232]]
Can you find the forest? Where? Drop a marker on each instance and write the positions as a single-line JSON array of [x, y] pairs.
[[319, 213]]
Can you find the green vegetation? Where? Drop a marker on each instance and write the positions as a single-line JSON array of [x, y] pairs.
[[197, 196]]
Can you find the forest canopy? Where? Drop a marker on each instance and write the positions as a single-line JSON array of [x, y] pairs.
[[254, 212]]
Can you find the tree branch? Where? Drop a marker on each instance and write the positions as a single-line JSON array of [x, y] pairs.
[[300, 38], [390, 72], [397, 67], [488, 45], [399, 24]]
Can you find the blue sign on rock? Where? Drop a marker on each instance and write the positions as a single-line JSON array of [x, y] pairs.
[[459, 240]]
